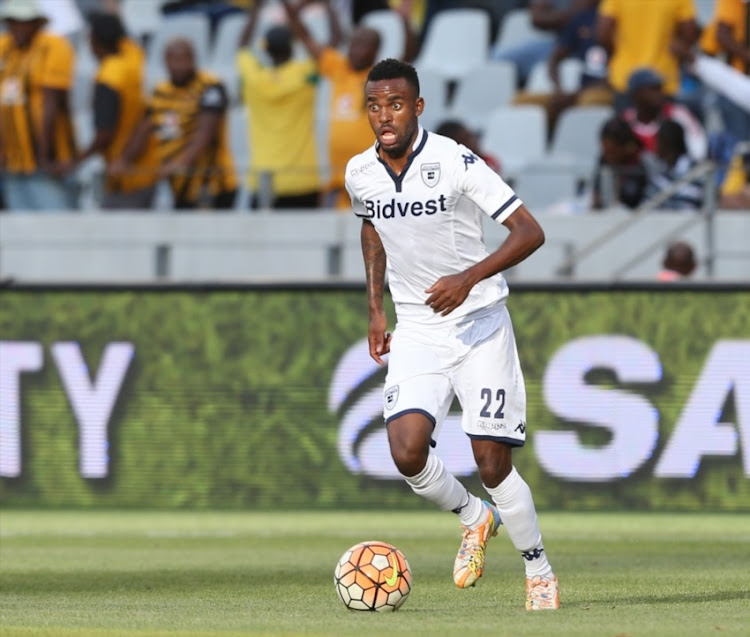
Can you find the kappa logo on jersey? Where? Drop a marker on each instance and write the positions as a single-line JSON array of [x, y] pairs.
[[378, 210], [430, 174], [360, 169], [391, 397], [469, 159]]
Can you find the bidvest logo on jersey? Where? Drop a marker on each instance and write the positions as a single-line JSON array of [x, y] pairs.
[[391, 209]]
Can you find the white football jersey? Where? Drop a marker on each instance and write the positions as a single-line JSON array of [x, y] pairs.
[[429, 219]]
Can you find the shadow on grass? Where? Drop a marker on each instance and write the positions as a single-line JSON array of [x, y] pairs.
[[161, 580], [671, 598]]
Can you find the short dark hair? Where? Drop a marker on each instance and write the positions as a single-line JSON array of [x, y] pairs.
[[391, 69], [279, 41], [106, 29]]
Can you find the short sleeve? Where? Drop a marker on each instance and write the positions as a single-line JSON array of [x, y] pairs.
[[357, 206], [476, 180], [59, 63], [109, 73], [609, 8], [247, 64], [214, 98], [330, 62]]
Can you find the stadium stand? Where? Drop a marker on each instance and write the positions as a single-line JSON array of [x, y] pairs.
[[457, 41], [390, 25], [482, 89], [551, 169], [516, 134]]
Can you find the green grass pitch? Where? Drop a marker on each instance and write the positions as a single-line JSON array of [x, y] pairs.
[[112, 573]]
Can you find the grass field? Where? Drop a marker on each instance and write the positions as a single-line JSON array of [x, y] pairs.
[[104, 574]]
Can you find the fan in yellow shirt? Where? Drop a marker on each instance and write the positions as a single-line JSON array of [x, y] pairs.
[[119, 106], [638, 34], [36, 133], [281, 103], [349, 129]]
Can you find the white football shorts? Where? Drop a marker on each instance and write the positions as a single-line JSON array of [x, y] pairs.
[[475, 360]]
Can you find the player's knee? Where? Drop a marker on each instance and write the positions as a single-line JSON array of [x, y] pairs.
[[494, 465], [409, 459], [409, 451]]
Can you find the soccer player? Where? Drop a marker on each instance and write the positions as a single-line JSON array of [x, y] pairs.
[[421, 198]]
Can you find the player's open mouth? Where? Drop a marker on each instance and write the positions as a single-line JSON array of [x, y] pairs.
[[387, 137]]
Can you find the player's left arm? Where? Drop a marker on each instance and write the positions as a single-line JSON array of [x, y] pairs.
[[477, 181], [526, 236]]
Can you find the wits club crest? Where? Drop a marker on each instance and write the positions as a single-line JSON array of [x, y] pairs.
[[430, 174], [390, 397]]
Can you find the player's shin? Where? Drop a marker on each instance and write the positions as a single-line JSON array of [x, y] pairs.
[[516, 506], [436, 484]]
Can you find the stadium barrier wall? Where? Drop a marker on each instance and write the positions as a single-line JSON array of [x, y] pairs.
[[265, 396]]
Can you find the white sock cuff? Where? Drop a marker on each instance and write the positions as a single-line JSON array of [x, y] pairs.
[[432, 469], [505, 493]]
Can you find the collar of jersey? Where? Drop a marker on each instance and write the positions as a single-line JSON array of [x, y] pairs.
[[419, 143]]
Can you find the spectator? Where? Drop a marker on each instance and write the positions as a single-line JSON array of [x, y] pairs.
[[119, 106], [546, 15], [729, 34], [637, 34], [349, 128], [187, 113], [719, 76], [575, 40], [36, 131], [651, 107], [673, 165], [621, 174], [460, 134], [281, 103], [679, 262]]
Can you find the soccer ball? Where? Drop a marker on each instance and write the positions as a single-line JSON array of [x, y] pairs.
[[373, 576]]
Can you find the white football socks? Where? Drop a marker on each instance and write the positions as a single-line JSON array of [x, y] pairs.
[[516, 506], [436, 484]]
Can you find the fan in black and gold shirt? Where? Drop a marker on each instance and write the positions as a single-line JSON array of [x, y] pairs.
[[187, 113]]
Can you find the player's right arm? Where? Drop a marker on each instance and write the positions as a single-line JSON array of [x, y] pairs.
[[374, 256]]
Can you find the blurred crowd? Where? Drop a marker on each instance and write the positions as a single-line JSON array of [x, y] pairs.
[[675, 88]]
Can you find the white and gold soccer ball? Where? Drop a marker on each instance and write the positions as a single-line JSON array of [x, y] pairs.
[[373, 576]]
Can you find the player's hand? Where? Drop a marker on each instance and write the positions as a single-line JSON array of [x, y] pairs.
[[448, 292], [378, 338]]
